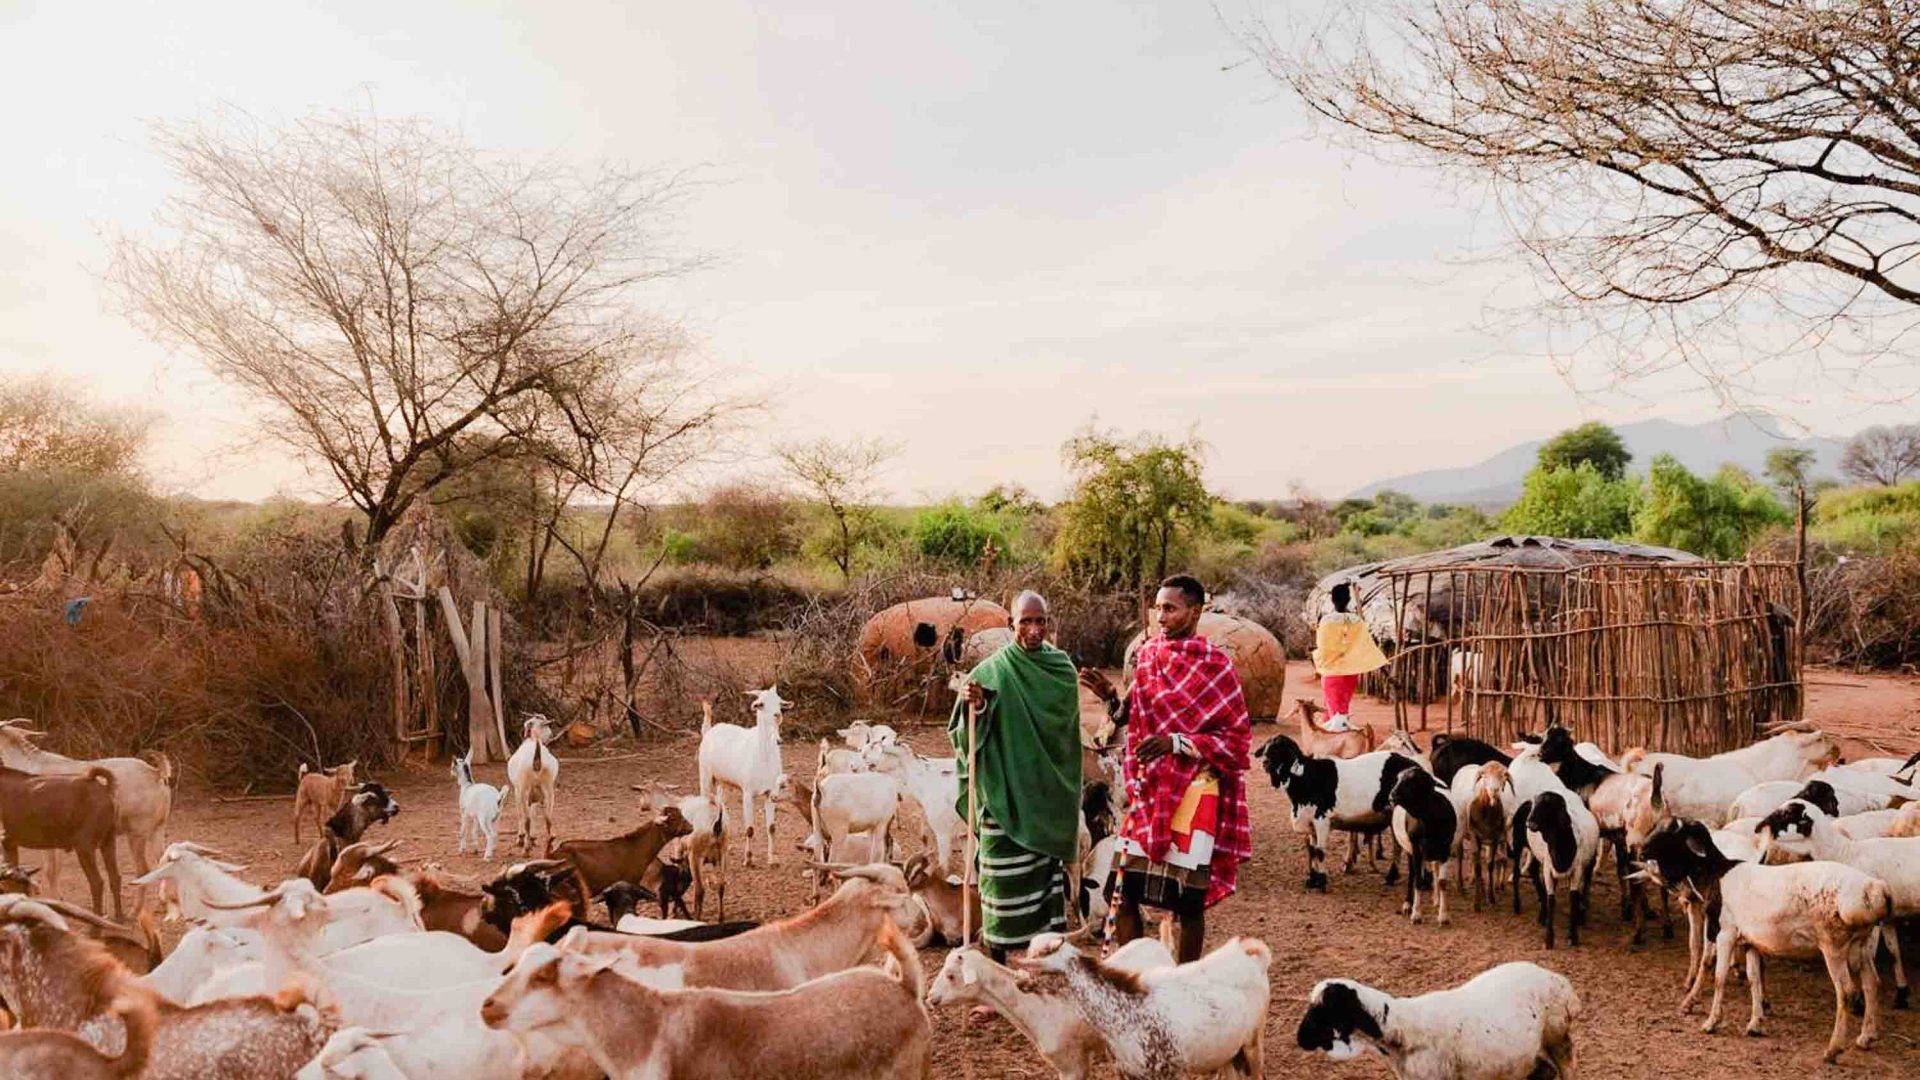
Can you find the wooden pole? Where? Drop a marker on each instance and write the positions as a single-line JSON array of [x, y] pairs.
[[496, 630], [969, 883]]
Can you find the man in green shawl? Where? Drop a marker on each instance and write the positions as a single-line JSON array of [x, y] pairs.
[[1027, 821]]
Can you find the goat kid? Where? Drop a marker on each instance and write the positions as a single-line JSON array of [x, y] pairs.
[[319, 794], [480, 807]]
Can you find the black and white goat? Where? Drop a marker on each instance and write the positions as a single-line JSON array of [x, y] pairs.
[[1426, 827], [1349, 794], [1451, 753], [1512, 1022], [1557, 838]]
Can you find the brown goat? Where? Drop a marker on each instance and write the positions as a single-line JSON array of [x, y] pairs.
[[455, 912], [41, 1053], [1320, 742], [358, 864], [368, 805], [17, 880], [941, 899], [320, 794], [63, 813], [601, 863]]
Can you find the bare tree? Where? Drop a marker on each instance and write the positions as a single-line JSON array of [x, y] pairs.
[[1884, 454], [843, 476], [408, 307], [1709, 180], [47, 425]]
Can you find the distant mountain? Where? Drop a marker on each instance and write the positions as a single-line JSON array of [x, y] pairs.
[[1737, 440]]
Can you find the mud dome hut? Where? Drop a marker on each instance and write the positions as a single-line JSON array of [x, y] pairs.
[[907, 649], [1625, 644], [1257, 658]]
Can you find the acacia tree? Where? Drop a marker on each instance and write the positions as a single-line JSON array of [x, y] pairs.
[[1677, 170], [405, 306], [1883, 454], [1133, 502], [843, 477]]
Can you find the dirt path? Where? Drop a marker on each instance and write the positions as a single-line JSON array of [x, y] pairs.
[[1629, 1028]]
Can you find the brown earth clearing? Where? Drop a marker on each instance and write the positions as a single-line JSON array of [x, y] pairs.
[[1629, 1027]]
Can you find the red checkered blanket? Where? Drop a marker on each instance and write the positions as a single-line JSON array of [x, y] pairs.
[[1188, 686]]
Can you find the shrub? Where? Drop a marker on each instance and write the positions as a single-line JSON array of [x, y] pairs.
[[1718, 518], [954, 535], [1869, 518], [1574, 502]]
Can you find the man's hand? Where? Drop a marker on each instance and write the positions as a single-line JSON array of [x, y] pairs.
[[1096, 681], [976, 695], [1153, 748]]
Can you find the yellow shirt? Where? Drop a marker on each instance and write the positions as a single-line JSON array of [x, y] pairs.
[[1342, 646]]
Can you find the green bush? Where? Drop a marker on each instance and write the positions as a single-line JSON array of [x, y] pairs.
[[1868, 518], [957, 535], [1718, 517], [1577, 502]]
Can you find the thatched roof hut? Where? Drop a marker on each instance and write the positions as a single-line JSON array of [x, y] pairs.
[[1435, 614], [1257, 657], [910, 641]]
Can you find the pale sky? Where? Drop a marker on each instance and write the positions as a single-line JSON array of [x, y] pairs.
[[967, 228]]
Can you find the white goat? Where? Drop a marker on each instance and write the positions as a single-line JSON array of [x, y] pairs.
[[198, 875], [480, 806], [747, 759], [352, 1054], [848, 803], [1052, 1023], [210, 894], [934, 783], [1894, 860], [1704, 788], [860, 735], [1165, 1022], [839, 759], [1853, 793], [533, 771], [1503, 1024], [1463, 671]]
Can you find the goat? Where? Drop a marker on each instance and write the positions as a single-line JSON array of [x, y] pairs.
[[1478, 796], [142, 793], [848, 803], [368, 805], [1451, 753], [601, 863], [1558, 839], [933, 783], [1893, 860], [1704, 788], [45, 1053], [1463, 672], [1332, 793], [480, 806], [1426, 828], [841, 932], [839, 759], [455, 911], [358, 864], [1053, 1024], [17, 880], [533, 771], [1165, 1022], [746, 759], [197, 874], [320, 793], [1509, 1022], [1319, 741], [63, 813], [860, 735], [525, 888], [878, 1027], [703, 848], [1608, 793], [939, 897], [1846, 793], [352, 1054]]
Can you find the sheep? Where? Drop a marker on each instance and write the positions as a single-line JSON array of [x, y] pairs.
[[1331, 793], [1893, 860], [1052, 1023], [1609, 794], [849, 803], [1426, 827], [533, 771], [1907, 824], [142, 793], [1509, 1022], [320, 793], [46, 1053], [1561, 840], [63, 812], [1702, 789], [1846, 793], [746, 759], [839, 933], [480, 806], [1321, 742], [1451, 753], [933, 783], [1667, 858], [601, 863], [367, 805], [1165, 1022], [358, 864], [1478, 795], [852, 1024]]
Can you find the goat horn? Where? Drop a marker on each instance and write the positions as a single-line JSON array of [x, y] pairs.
[[271, 896], [199, 849], [20, 907]]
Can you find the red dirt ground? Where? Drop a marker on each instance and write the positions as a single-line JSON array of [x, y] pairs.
[[1629, 1027]]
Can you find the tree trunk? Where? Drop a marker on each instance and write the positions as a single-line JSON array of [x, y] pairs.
[[628, 602], [471, 648]]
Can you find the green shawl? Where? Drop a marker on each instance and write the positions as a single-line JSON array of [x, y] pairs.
[[1029, 748]]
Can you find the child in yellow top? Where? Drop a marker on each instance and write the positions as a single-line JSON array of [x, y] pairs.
[[1343, 651]]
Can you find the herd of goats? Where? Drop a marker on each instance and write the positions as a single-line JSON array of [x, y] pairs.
[[354, 967]]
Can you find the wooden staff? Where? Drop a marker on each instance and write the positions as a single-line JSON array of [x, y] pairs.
[[968, 886]]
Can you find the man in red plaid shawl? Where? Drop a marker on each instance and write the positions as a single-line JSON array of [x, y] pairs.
[[1188, 738]]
